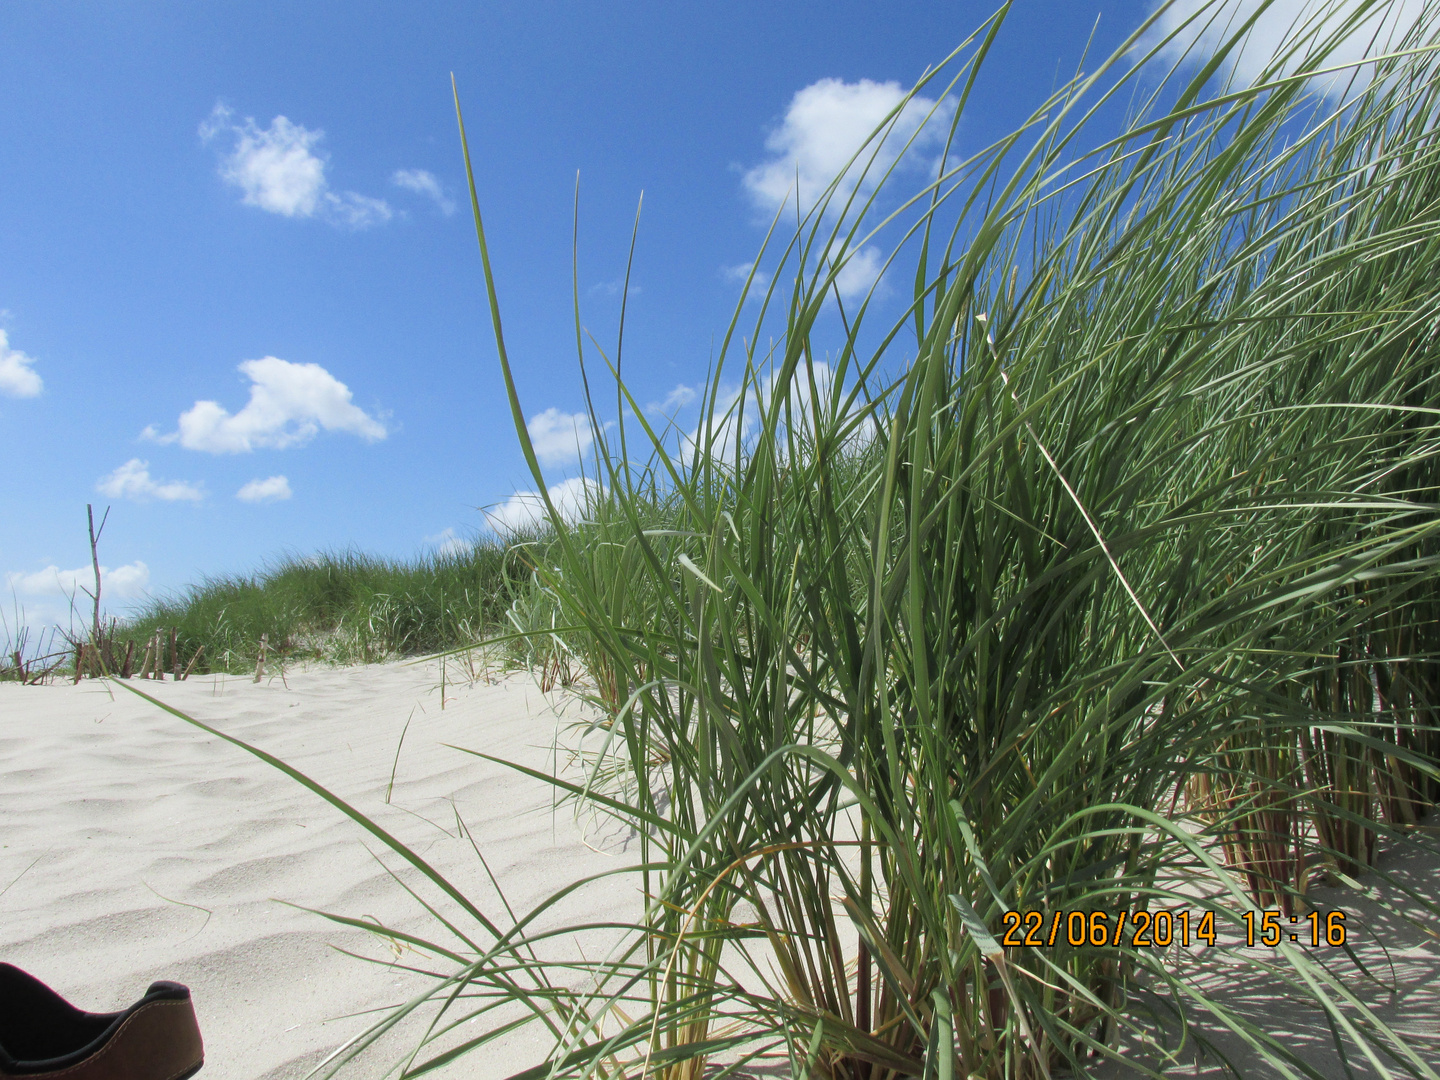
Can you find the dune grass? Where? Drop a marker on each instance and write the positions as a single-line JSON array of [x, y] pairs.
[[339, 607], [30, 656], [1107, 568]]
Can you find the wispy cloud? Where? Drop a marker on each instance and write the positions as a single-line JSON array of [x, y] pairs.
[[560, 438], [123, 582], [613, 287], [289, 403], [859, 273], [424, 183], [740, 273], [278, 170], [448, 544], [271, 489], [356, 211], [738, 422], [133, 481], [678, 398], [526, 509], [824, 125], [1201, 26], [17, 376]]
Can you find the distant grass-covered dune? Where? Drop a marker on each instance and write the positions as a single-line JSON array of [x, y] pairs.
[[341, 607]]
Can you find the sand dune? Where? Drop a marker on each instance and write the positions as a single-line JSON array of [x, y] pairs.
[[137, 847], [123, 822]]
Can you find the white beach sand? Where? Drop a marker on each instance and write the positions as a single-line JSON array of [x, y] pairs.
[[122, 822], [117, 815], [1395, 938]]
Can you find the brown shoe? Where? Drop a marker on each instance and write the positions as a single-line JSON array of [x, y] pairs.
[[44, 1037]]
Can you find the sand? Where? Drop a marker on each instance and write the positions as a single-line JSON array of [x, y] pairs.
[[123, 822], [1394, 935], [137, 847]]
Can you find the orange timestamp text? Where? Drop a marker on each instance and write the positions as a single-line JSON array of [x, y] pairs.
[[1163, 927]]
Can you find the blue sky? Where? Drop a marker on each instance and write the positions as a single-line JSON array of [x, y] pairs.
[[240, 297]]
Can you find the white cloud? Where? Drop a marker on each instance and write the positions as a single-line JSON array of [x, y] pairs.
[[729, 426], [740, 273], [356, 211], [424, 183], [123, 582], [133, 481], [1284, 23], [859, 273], [613, 287], [289, 403], [678, 398], [526, 509], [559, 438], [825, 124], [17, 377], [277, 170], [271, 489], [449, 545]]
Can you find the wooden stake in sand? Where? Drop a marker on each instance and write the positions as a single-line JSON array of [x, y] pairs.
[[190, 666], [260, 661]]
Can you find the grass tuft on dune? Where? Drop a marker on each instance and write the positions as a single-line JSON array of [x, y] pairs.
[[340, 607]]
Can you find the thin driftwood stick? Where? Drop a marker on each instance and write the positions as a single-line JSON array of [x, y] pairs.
[[38, 678], [260, 661], [129, 653], [158, 671], [95, 562], [149, 656], [79, 664], [174, 654], [191, 664]]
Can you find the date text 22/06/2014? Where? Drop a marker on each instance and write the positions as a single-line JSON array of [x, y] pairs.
[[1163, 927]]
